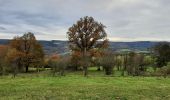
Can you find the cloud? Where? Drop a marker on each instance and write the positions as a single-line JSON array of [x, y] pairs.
[[126, 20], [2, 28]]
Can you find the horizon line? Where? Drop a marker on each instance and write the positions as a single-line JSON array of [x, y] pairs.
[[109, 40]]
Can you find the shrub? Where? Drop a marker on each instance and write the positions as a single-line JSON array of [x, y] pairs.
[[165, 71], [58, 66], [107, 62]]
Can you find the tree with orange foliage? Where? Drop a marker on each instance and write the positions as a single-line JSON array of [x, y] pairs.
[[75, 59], [86, 35], [55, 57], [13, 58], [3, 52], [31, 50], [38, 60]]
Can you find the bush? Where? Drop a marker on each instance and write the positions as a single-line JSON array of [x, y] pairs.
[[58, 66], [165, 71], [107, 62], [2, 68]]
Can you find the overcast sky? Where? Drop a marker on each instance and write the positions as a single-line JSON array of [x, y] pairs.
[[126, 20]]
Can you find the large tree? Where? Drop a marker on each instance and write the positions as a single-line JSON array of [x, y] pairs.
[[85, 35], [31, 51], [162, 54]]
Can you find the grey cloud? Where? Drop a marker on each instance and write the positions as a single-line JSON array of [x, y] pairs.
[[126, 20], [2, 28]]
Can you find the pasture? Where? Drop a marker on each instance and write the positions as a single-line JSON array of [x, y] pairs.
[[73, 86]]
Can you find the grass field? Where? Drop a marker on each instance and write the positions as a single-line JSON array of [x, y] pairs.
[[74, 86]]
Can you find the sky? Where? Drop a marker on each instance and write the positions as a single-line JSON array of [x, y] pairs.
[[125, 20]]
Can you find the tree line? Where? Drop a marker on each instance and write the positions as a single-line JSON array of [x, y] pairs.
[[88, 45]]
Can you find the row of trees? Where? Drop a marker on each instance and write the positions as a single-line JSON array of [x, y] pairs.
[[129, 63], [88, 35], [88, 43]]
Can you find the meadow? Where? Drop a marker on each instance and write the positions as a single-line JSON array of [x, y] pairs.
[[73, 86]]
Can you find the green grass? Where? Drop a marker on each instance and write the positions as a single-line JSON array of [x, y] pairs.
[[74, 86]]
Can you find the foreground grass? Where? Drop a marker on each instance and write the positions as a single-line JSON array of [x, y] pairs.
[[76, 87]]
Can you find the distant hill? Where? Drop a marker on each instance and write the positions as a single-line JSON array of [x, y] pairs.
[[4, 41], [61, 47], [55, 46], [132, 46]]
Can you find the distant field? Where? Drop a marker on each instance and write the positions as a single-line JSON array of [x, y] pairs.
[[74, 86]]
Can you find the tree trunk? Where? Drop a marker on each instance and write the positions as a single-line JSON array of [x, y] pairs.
[[15, 69], [26, 68], [62, 72], [85, 71], [98, 68], [15, 73], [76, 68], [38, 69], [118, 67], [108, 70], [125, 65], [123, 71], [85, 62]]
